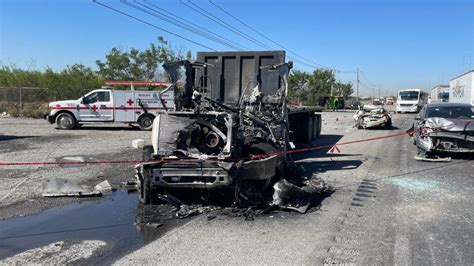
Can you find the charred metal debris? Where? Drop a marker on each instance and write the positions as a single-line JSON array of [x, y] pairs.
[[223, 155]]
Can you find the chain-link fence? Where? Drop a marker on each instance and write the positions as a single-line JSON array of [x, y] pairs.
[[25, 101]]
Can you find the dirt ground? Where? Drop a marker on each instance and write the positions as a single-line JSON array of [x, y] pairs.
[[35, 140]]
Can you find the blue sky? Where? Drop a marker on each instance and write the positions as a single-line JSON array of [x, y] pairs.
[[397, 44]]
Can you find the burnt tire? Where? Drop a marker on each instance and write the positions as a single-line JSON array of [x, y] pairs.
[[308, 137], [315, 127], [145, 122], [145, 191], [65, 121], [147, 154]]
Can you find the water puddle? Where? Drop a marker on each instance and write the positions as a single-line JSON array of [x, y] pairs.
[[111, 220]]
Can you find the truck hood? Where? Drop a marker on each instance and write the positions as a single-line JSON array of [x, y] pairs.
[[451, 125], [70, 103]]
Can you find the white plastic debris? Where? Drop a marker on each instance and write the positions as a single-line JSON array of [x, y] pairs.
[[103, 187], [138, 143]]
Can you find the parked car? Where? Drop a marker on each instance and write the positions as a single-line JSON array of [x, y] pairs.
[[354, 105], [444, 127], [389, 101]]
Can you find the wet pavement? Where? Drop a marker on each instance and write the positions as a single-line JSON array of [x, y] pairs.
[[111, 219]]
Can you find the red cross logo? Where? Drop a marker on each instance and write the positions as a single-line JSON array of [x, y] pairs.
[[94, 108], [130, 102]]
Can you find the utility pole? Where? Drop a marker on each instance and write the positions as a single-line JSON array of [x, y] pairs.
[[379, 90], [357, 84]]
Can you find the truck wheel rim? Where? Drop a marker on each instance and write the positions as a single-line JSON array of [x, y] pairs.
[[147, 122], [66, 122]]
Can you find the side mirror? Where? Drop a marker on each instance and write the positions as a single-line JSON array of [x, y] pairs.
[[83, 100], [417, 117]]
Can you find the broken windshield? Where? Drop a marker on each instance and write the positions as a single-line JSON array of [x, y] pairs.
[[409, 95], [450, 112]]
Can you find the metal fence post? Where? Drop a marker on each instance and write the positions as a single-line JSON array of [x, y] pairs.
[[21, 99]]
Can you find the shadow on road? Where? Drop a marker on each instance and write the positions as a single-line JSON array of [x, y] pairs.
[[107, 128], [320, 160], [10, 137]]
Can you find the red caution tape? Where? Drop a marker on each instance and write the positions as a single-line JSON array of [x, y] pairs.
[[332, 148]]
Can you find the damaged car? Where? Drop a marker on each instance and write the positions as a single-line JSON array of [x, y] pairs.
[[206, 146], [372, 116], [444, 127]]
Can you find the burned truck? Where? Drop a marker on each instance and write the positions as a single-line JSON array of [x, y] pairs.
[[208, 144]]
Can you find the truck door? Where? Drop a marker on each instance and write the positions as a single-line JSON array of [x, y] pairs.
[[124, 103], [97, 106]]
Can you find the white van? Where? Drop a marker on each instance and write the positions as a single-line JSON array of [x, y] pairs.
[[411, 100]]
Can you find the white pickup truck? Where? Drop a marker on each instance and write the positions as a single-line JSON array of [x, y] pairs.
[[107, 105]]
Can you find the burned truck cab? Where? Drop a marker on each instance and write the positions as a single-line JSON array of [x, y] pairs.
[[206, 145]]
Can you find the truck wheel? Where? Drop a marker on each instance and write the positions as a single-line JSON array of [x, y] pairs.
[[145, 122], [309, 131], [320, 125], [315, 127], [147, 153], [65, 121], [144, 190]]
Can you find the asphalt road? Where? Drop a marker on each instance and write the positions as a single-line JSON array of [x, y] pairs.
[[388, 209]]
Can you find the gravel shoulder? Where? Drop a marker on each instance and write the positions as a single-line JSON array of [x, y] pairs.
[[33, 140]]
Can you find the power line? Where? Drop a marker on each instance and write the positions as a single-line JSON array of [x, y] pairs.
[[152, 25], [314, 64], [187, 25], [224, 24], [262, 35], [189, 22], [368, 81]]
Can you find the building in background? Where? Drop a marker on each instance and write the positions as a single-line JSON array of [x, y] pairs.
[[440, 93], [461, 88]]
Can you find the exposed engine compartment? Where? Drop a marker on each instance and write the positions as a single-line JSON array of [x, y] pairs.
[[372, 117], [449, 135]]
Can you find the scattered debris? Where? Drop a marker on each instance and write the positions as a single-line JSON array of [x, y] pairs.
[[154, 224], [129, 185], [60, 187], [298, 198], [138, 143], [211, 217], [189, 210], [104, 187], [432, 159]]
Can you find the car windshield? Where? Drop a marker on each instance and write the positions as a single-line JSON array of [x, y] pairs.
[[454, 112], [409, 95]]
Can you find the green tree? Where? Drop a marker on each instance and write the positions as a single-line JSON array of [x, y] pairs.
[[139, 65], [343, 89], [313, 88], [298, 85]]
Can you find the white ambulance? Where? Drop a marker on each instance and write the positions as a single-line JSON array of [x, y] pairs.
[[109, 105]]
